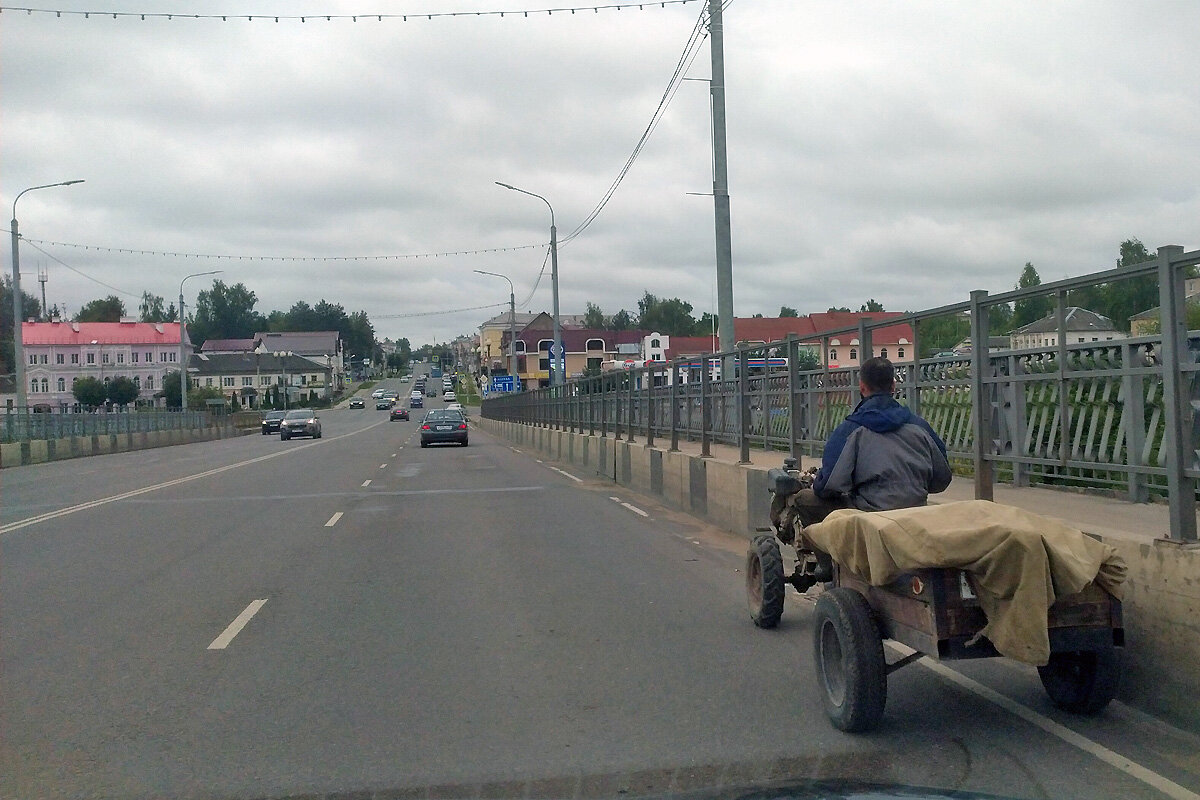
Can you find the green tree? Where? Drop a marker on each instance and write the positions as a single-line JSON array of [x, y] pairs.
[[225, 312], [672, 317], [871, 305], [30, 307], [104, 309], [89, 392], [1030, 309], [153, 308], [593, 318], [808, 359], [835, 309], [122, 391], [622, 321], [170, 389], [788, 311], [708, 324]]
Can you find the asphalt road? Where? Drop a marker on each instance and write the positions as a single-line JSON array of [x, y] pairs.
[[448, 622]]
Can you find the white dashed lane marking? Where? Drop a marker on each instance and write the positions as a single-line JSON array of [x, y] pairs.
[[367, 482], [632, 508], [235, 627], [333, 520]]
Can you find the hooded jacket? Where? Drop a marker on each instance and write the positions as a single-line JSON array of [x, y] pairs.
[[883, 457]]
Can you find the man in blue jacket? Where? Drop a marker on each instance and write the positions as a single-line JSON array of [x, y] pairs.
[[882, 457]]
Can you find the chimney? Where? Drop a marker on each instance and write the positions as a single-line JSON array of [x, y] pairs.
[[128, 320], [75, 327]]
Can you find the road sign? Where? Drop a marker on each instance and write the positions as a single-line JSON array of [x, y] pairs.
[[505, 383], [556, 350]]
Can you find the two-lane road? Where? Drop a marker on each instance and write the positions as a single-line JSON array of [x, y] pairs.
[[358, 613]]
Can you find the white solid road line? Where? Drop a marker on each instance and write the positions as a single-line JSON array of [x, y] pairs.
[[235, 627], [333, 520], [383, 466], [567, 474], [367, 482], [635, 509], [62, 512]]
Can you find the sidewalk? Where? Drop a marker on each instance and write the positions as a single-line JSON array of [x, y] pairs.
[[1091, 513]]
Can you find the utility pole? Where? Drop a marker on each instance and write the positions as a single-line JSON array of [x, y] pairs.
[[721, 181], [43, 276]]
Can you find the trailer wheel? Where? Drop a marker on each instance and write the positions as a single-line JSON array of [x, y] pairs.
[[851, 671], [764, 581], [1082, 681]]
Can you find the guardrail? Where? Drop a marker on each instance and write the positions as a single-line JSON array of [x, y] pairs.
[[23, 426], [1117, 415]]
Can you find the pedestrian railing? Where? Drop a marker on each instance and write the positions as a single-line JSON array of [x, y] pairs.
[[23, 426], [1115, 415]]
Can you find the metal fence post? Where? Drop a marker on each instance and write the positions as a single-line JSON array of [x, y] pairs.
[[705, 413], [1176, 400], [793, 387], [673, 377], [1064, 409], [1020, 425], [980, 407], [1133, 413], [632, 407], [649, 390], [743, 405]]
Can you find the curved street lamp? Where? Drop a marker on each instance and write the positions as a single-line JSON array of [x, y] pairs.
[[512, 328], [183, 380], [18, 334], [558, 370]]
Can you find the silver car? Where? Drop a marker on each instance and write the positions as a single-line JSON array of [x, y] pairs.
[[300, 422]]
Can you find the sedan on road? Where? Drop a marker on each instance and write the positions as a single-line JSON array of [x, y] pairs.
[[449, 396], [300, 422], [384, 403], [270, 422], [444, 426], [357, 402], [399, 412]]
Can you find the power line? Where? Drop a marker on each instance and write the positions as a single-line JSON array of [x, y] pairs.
[[435, 313], [79, 271], [522, 13]]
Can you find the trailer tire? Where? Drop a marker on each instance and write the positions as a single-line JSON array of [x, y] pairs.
[[848, 650], [1082, 681], [764, 581]]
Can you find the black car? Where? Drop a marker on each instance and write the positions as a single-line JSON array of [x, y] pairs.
[[384, 403], [357, 402], [271, 420], [444, 426], [399, 412]]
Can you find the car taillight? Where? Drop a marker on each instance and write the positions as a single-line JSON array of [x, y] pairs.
[[424, 427], [462, 427]]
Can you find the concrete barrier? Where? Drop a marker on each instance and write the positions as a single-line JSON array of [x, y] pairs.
[[40, 451], [1162, 602]]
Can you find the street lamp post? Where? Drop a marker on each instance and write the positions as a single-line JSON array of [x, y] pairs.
[[557, 372], [183, 380], [512, 327], [281, 357], [18, 343]]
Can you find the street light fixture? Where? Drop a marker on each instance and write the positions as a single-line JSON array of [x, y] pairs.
[[557, 372], [512, 327], [183, 381], [18, 343]]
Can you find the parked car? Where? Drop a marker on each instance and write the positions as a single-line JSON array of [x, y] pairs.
[[441, 425], [357, 402], [300, 422], [271, 420], [399, 412]]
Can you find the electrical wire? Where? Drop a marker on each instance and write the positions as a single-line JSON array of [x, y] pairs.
[[435, 313], [342, 17], [79, 271]]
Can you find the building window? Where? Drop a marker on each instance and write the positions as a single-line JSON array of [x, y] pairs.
[[137, 380], [853, 354], [883, 352], [44, 358], [32, 357], [134, 356], [208, 381], [162, 356], [594, 363], [171, 356], [33, 386], [227, 381], [91, 358], [149, 381], [598, 344], [120, 358], [74, 358], [247, 381], [45, 385], [520, 347], [58, 358], [264, 380], [832, 355], [899, 352], [62, 384], [655, 343], [104, 358], [149, 357]]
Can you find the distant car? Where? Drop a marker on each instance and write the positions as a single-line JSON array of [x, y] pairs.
[[449, 396], [441, 425], [399, 412], [384, 403], [300, 422], [431, 392], [357, 402], [271, 420], [416, 401], [456, 407], [406, 379], [378, 393]]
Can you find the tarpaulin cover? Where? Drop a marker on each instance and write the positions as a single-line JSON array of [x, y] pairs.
[[1021, 562]]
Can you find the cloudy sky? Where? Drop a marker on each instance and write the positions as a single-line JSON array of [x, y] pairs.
[[904, 151]]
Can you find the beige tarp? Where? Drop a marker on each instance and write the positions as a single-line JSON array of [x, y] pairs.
[[1021, 562]]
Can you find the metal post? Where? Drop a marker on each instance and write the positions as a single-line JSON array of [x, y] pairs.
[[632, 407], [705, 413], [673, 377], [1064, 409], [793, 386], [743, 405], [649, 390], [1179, 413], [866, 348], [724, 244], [1134, 416], [980, 406]]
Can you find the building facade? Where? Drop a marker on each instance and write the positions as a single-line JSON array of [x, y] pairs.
[[58, 353], [1081, 326], [253, 378]]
